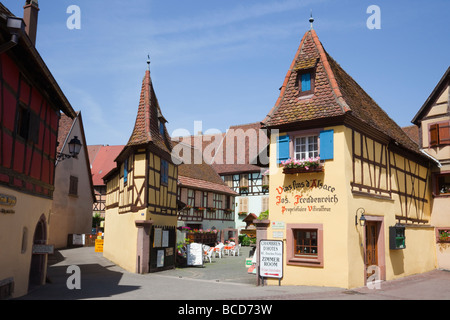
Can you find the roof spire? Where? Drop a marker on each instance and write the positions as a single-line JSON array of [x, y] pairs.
[[311, 20], [148, 62]]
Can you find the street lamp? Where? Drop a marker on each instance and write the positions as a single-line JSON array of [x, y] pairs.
[[74, 150]]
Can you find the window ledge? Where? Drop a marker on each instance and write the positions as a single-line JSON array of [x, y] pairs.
[[306, 96], [293, 261]]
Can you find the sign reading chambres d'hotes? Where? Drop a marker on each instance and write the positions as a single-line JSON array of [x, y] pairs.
[[271, 259]]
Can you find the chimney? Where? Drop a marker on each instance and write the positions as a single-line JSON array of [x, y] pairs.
[[30, 16]]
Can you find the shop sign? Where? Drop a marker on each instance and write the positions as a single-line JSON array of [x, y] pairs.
[[296, 197], [281, 225], [43, 249], [271, 259], [99, 245], [7, 200], [195, 254]]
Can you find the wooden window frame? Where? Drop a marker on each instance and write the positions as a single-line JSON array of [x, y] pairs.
[[306, 137], [436, 189], [309, 261], [439, 134], [300, 74], [73, 186]]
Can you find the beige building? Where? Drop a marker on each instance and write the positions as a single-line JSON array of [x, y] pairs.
[[433, 123], [73, 197]]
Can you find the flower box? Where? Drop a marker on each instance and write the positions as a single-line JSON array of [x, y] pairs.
[[202, 237], [302, 170], [292, 166]]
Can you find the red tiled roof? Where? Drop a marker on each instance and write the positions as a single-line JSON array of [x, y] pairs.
[[335, 94], [198, 174], [146, 128], [65, 125], [205, 185], [413, 133], [102, 159], [235, 151]]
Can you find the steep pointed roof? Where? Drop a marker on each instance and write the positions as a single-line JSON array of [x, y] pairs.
[[327, 100], [149, 118], [336, 94]]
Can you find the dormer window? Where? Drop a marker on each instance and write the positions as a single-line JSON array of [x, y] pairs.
[[161, 127], [306, 82], [306, 73]]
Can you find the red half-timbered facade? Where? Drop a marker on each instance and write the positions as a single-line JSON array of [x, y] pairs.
[[29, 129], [30, 106]]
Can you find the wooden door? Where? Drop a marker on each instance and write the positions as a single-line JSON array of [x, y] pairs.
[[371, 244]]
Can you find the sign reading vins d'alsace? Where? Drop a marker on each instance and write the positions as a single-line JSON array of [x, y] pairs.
[[298, 197]]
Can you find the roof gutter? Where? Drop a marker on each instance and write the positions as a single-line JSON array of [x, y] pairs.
[[432, 158]]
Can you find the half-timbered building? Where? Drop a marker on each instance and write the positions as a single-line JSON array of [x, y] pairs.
[[208, 203], [141, 194], [432, 123], [30, 105], [349, 190]]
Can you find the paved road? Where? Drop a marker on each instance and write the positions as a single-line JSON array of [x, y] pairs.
[[225, 279]]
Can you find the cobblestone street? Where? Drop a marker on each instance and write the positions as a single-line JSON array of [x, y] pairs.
[[223, 279]]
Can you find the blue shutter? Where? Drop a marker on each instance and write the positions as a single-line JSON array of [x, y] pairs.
[[283, 148], [327, 145], [164, 171], [306, 82], [125, 171]]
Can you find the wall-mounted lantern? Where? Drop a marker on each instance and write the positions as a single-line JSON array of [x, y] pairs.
[[362, 218], [74, 150]]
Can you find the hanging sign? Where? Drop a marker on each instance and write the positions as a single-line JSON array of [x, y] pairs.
[[271, 259]]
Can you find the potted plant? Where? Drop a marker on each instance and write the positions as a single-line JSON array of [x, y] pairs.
[[444, 236], [299, 166], [243, 189]]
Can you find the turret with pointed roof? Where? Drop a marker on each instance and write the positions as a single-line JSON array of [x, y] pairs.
[[149, 120], [335, 98]]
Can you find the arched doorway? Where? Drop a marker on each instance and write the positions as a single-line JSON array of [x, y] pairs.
[[37, 268]]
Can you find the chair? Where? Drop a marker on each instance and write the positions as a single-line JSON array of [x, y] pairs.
[[236, 250], [218, 250], [208, 254]]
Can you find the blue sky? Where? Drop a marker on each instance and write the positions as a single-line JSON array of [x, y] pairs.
[[222, 62]]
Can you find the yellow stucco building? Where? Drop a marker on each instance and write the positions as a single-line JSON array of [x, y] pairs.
[[350, 195], [141, 200]]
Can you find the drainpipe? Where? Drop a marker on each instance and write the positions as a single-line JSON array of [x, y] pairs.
[[16, 28]]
